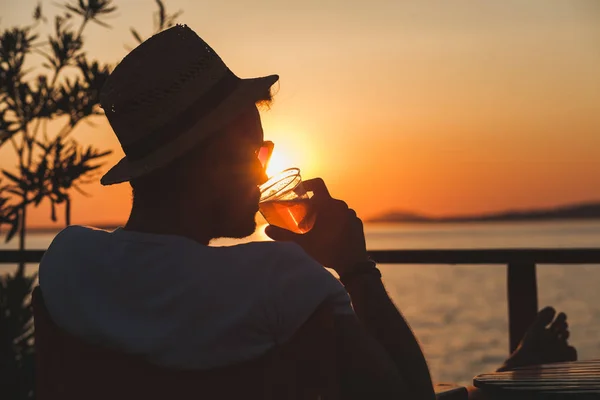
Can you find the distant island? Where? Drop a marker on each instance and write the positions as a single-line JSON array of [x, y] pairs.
[[58, 227], [566, 212], [579, 211]]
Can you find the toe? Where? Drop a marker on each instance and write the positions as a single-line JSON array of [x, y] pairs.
[[544, 318], [560, 319], [560, 324]]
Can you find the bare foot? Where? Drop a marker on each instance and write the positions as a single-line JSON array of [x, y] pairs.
[[545, 342]]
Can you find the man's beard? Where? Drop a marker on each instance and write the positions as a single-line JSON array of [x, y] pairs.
[[234, 223], [240, 229]]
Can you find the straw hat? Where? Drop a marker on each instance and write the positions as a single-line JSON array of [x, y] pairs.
[[169, 94]]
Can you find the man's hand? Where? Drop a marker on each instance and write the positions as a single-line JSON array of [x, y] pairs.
[[337, 239]]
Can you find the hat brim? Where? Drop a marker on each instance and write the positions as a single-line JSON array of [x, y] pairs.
[[249, 91]]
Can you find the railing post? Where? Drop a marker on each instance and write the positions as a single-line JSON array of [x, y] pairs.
[[522, 300]]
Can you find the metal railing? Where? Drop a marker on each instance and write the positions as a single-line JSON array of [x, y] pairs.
[[521, 276]]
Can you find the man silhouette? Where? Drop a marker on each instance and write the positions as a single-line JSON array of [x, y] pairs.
[[191, 132]]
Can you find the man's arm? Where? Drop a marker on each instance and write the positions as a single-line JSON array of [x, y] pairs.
[[337, 241], [365, 368], [386, 324]]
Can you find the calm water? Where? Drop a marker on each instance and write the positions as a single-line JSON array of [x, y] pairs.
[[459, 312]]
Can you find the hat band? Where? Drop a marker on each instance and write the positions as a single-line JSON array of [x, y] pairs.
[[183, 122]]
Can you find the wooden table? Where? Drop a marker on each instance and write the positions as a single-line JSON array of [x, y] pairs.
[[568, 380]]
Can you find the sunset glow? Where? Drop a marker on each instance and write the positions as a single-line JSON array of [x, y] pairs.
[[278, 163], [433, 107]]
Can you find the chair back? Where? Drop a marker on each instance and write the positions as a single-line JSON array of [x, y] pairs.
[[68, 368]]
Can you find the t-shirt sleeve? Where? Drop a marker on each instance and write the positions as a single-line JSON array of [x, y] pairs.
[[297, 286]]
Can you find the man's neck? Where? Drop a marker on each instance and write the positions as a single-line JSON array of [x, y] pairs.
[[162, 222]]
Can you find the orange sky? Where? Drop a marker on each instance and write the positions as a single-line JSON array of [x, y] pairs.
[[437, 107]]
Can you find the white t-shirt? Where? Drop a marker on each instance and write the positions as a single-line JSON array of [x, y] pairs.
[[177, 302]]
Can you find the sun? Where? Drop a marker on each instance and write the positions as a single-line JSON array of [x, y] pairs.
[[292, 150], [277, 163]]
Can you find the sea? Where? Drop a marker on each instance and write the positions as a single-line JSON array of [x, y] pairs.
[[459, 312]]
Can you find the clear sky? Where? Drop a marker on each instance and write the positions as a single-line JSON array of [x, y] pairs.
[[440, 107]]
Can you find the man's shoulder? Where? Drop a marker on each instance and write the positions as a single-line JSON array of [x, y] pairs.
[[271, 247], [79, 231], [275, 252], [71, 249], [75, 236]]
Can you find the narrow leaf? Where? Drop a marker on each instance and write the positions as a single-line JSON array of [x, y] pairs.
[[136, 35], [11, 176], [13, 230]]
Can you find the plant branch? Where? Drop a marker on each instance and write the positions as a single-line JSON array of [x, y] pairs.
[[64, 132], [19, 109], [83, 24], [54, 78], [32, 139], [37, 127], [17, 150], [45, 130]]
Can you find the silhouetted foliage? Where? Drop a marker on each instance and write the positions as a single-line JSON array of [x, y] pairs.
[[162, 20], [49, 164], [17, 361], [7, 215]]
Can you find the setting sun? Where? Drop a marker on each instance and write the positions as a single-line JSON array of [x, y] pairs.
[[278, 163], [293, 147]]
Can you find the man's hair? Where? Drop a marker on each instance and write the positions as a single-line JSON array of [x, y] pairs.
[[265, 100], [171, 179]]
